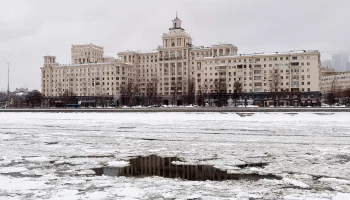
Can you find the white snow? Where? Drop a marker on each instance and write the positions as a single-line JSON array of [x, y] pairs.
[[5, 170], [334, 180], [38, 159], [50, 155], [21, 184], [342, 196], [295, 182], [118, 164]]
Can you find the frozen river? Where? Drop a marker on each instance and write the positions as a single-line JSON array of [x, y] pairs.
[[275, 155]]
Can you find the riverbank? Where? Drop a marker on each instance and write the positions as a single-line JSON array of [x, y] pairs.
[[177, 109]]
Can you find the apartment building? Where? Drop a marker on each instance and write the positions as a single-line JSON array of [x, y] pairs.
[[336, 81], [100, 76], [298, 71], [177, 64]]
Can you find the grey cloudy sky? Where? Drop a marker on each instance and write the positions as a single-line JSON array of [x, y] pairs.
[[31, 29]]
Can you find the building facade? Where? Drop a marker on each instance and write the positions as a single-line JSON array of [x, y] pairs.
[[336, 81], [177, 68]]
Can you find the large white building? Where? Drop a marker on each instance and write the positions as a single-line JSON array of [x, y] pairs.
[[177, 66]]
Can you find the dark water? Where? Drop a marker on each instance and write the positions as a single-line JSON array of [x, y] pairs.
[[161, 166]]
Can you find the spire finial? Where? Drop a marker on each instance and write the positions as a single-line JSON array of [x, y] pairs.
[[176, 14]]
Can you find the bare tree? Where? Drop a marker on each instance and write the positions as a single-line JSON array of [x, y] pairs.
[[191, 89], [175, 87], [152, 91], [123, 94], [2, 96], [275, 81], [346, 96], [237, 86], [130, 94], [102, 100], [220, 87], [35, 98], [127, 93], [136, 94], [331, 95], [237, 90], [68, 97], [202, 93]]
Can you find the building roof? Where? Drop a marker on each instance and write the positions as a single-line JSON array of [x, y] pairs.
[[268, 54], [137, 52], [87, 64]]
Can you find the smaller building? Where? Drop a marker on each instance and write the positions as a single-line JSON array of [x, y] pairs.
[[21, 92], [334, 81]]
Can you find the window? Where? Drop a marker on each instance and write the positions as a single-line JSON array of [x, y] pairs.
[[308, 83], [308, 76], [294, 58], [308, 63]]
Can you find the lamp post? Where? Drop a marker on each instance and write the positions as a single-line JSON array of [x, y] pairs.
[[290, 76], [8, 80], [252, 69]]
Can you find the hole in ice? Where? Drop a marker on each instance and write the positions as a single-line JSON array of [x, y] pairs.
[[164, 166], [324, 114], [343, 159], [292, 114], [245, 114], [127, 127], [252, 165], [51, 143]]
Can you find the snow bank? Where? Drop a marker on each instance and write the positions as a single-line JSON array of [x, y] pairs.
[[37, 159], [295, 182], [335, 180], [118, 164], [6, 170], [342, 196], [20, 184]]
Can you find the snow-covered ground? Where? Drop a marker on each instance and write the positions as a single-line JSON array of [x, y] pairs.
[[50, 155]]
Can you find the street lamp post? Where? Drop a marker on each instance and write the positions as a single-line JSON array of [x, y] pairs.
[[290, 76], [8, 80]]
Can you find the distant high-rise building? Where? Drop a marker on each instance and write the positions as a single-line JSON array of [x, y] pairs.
[[326, 63], [340, 62]]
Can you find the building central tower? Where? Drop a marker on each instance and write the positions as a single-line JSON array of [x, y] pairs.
[[174, 61]]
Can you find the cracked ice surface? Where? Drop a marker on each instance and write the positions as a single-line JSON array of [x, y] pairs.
[[50, 155]]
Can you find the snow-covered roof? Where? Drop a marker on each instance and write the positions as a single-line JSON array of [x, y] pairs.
[[137, 52], [89, 64], [267, 54]]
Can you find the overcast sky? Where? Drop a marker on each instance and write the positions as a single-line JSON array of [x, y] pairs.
[[31, 29]]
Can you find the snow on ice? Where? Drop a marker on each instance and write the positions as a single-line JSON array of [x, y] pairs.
[[52, 155]]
